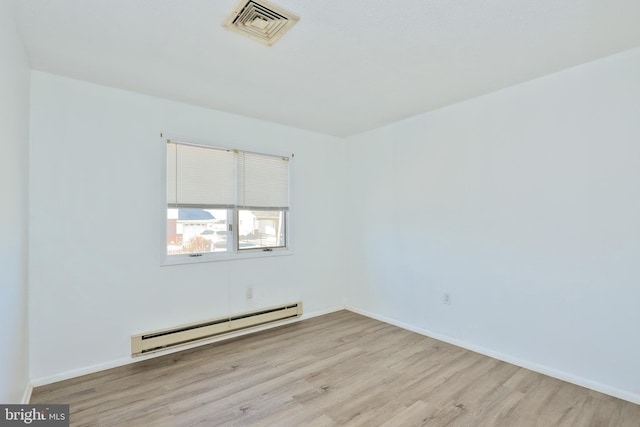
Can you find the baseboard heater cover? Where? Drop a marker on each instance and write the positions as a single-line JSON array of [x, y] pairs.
[[187, 334]]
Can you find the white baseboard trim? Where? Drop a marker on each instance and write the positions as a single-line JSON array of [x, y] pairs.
[[542, 369], [129, 360], [317, 313], [26, 397]]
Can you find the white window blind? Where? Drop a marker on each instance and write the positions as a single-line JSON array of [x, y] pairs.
[[219, 178], [200, 177], [263, 181]]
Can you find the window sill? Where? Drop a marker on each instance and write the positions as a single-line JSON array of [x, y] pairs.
[[223, 256]]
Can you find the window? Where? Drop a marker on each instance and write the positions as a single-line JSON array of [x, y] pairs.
[[225, 201]]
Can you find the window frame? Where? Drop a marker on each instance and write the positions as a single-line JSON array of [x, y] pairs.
[[233, 251]]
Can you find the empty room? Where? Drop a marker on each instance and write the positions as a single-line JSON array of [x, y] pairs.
[[317, 213]]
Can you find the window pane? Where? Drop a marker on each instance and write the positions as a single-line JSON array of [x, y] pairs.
[[191, 230], [259, 229]]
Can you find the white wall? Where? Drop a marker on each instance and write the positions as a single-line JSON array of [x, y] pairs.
[[524, 205], [14, 166], [97, 227]]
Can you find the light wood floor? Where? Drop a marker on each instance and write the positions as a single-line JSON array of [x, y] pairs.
[[338, 369]]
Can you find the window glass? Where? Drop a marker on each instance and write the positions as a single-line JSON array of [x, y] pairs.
[[261, 229], [193, 230]]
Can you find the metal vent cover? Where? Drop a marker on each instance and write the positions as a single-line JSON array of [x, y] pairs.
[[260, 21]]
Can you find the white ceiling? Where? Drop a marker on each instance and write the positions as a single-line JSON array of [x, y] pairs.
[[346, 67]]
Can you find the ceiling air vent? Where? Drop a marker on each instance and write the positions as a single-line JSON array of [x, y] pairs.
[[261, 21]]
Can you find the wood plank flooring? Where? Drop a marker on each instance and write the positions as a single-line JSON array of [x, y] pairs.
[[338, 369]]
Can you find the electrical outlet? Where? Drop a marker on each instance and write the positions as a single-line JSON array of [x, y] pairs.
[[446, 298], [249, 293]]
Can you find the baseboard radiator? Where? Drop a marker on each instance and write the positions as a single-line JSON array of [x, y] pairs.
[[187, 334]]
